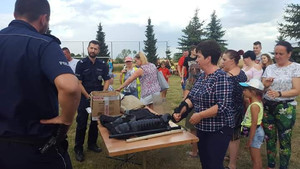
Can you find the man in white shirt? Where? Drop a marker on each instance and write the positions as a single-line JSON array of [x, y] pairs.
[[72, 61], [257, 50]]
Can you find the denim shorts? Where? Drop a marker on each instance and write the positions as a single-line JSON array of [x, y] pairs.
[[258, 138]]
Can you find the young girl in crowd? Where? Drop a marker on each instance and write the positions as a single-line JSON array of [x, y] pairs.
[[165, 71], [251, 125], [265, 61]]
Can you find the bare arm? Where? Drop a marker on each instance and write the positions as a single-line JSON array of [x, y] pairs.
[[295, 91], [120, 79], [123, 71], [254, 117], [182, 71], [179, 70], [185, 93], [68, 97], [83, 91], [106, 85]]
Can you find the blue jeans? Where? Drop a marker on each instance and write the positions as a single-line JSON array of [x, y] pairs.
[[184, 83]]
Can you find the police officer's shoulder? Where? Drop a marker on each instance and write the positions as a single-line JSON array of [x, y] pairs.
[[52, 37], [84, 62]]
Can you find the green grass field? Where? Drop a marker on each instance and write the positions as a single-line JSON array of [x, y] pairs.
[[172, 157]]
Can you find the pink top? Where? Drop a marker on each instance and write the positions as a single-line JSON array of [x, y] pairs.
[[253, 73], [149, 82]]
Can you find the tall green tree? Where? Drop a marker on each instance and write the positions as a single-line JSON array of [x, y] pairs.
[[176, 56], [124, 53], [101, 39], [291, 27], [279, 38], [214, 31], [150, 43], [192, 34]]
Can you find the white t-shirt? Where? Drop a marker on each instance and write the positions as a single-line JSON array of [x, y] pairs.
[[73, 64], [282, 79]]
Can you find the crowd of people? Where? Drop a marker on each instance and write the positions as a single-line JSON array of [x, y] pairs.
[[222, 101], [256, 100]]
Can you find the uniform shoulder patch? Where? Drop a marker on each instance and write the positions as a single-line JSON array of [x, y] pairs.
[[53, 37]]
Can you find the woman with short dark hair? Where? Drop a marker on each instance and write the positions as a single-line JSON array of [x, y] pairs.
[[251, 68], [211, 97]]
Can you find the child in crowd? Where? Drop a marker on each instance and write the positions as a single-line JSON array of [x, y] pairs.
[[111, 82], [251, 125], [165, 71]]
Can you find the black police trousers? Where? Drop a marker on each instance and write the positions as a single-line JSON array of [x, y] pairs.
[[82, 119], [27, 156]]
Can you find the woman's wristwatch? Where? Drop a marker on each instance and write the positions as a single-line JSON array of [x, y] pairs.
[[280, 94]]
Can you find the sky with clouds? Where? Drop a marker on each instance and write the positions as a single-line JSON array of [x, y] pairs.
[[124, 21]]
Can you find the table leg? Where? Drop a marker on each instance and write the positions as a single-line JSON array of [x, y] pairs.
[[144, 160]]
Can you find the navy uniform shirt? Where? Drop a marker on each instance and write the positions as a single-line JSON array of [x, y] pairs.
[[91, 74], [29, 63]]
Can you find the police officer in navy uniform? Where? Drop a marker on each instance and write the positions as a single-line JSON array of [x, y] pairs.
[[91, 72], [35, 79]]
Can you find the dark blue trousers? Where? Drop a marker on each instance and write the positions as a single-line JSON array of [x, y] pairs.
[[82, 119], [24, 156], [212, 147]]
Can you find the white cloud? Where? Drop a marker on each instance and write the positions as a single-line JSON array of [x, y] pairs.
[[126, 20], [5, 19]]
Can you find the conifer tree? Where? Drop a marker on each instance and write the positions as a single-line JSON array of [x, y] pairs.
[[214, 31], [291, 27], [150, 43], [192, 34], [101, 39]]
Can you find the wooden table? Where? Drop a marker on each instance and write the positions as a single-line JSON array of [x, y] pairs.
[[117, 147]]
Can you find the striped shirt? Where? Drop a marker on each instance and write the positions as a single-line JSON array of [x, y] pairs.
[[215, 89]]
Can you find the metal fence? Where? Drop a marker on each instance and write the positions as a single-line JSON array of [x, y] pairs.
[[115, 47]]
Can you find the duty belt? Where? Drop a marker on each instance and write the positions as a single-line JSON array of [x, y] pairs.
[[23, 140]]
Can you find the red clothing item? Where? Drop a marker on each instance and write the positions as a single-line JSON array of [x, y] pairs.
[[165, 71], [180, 63]]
